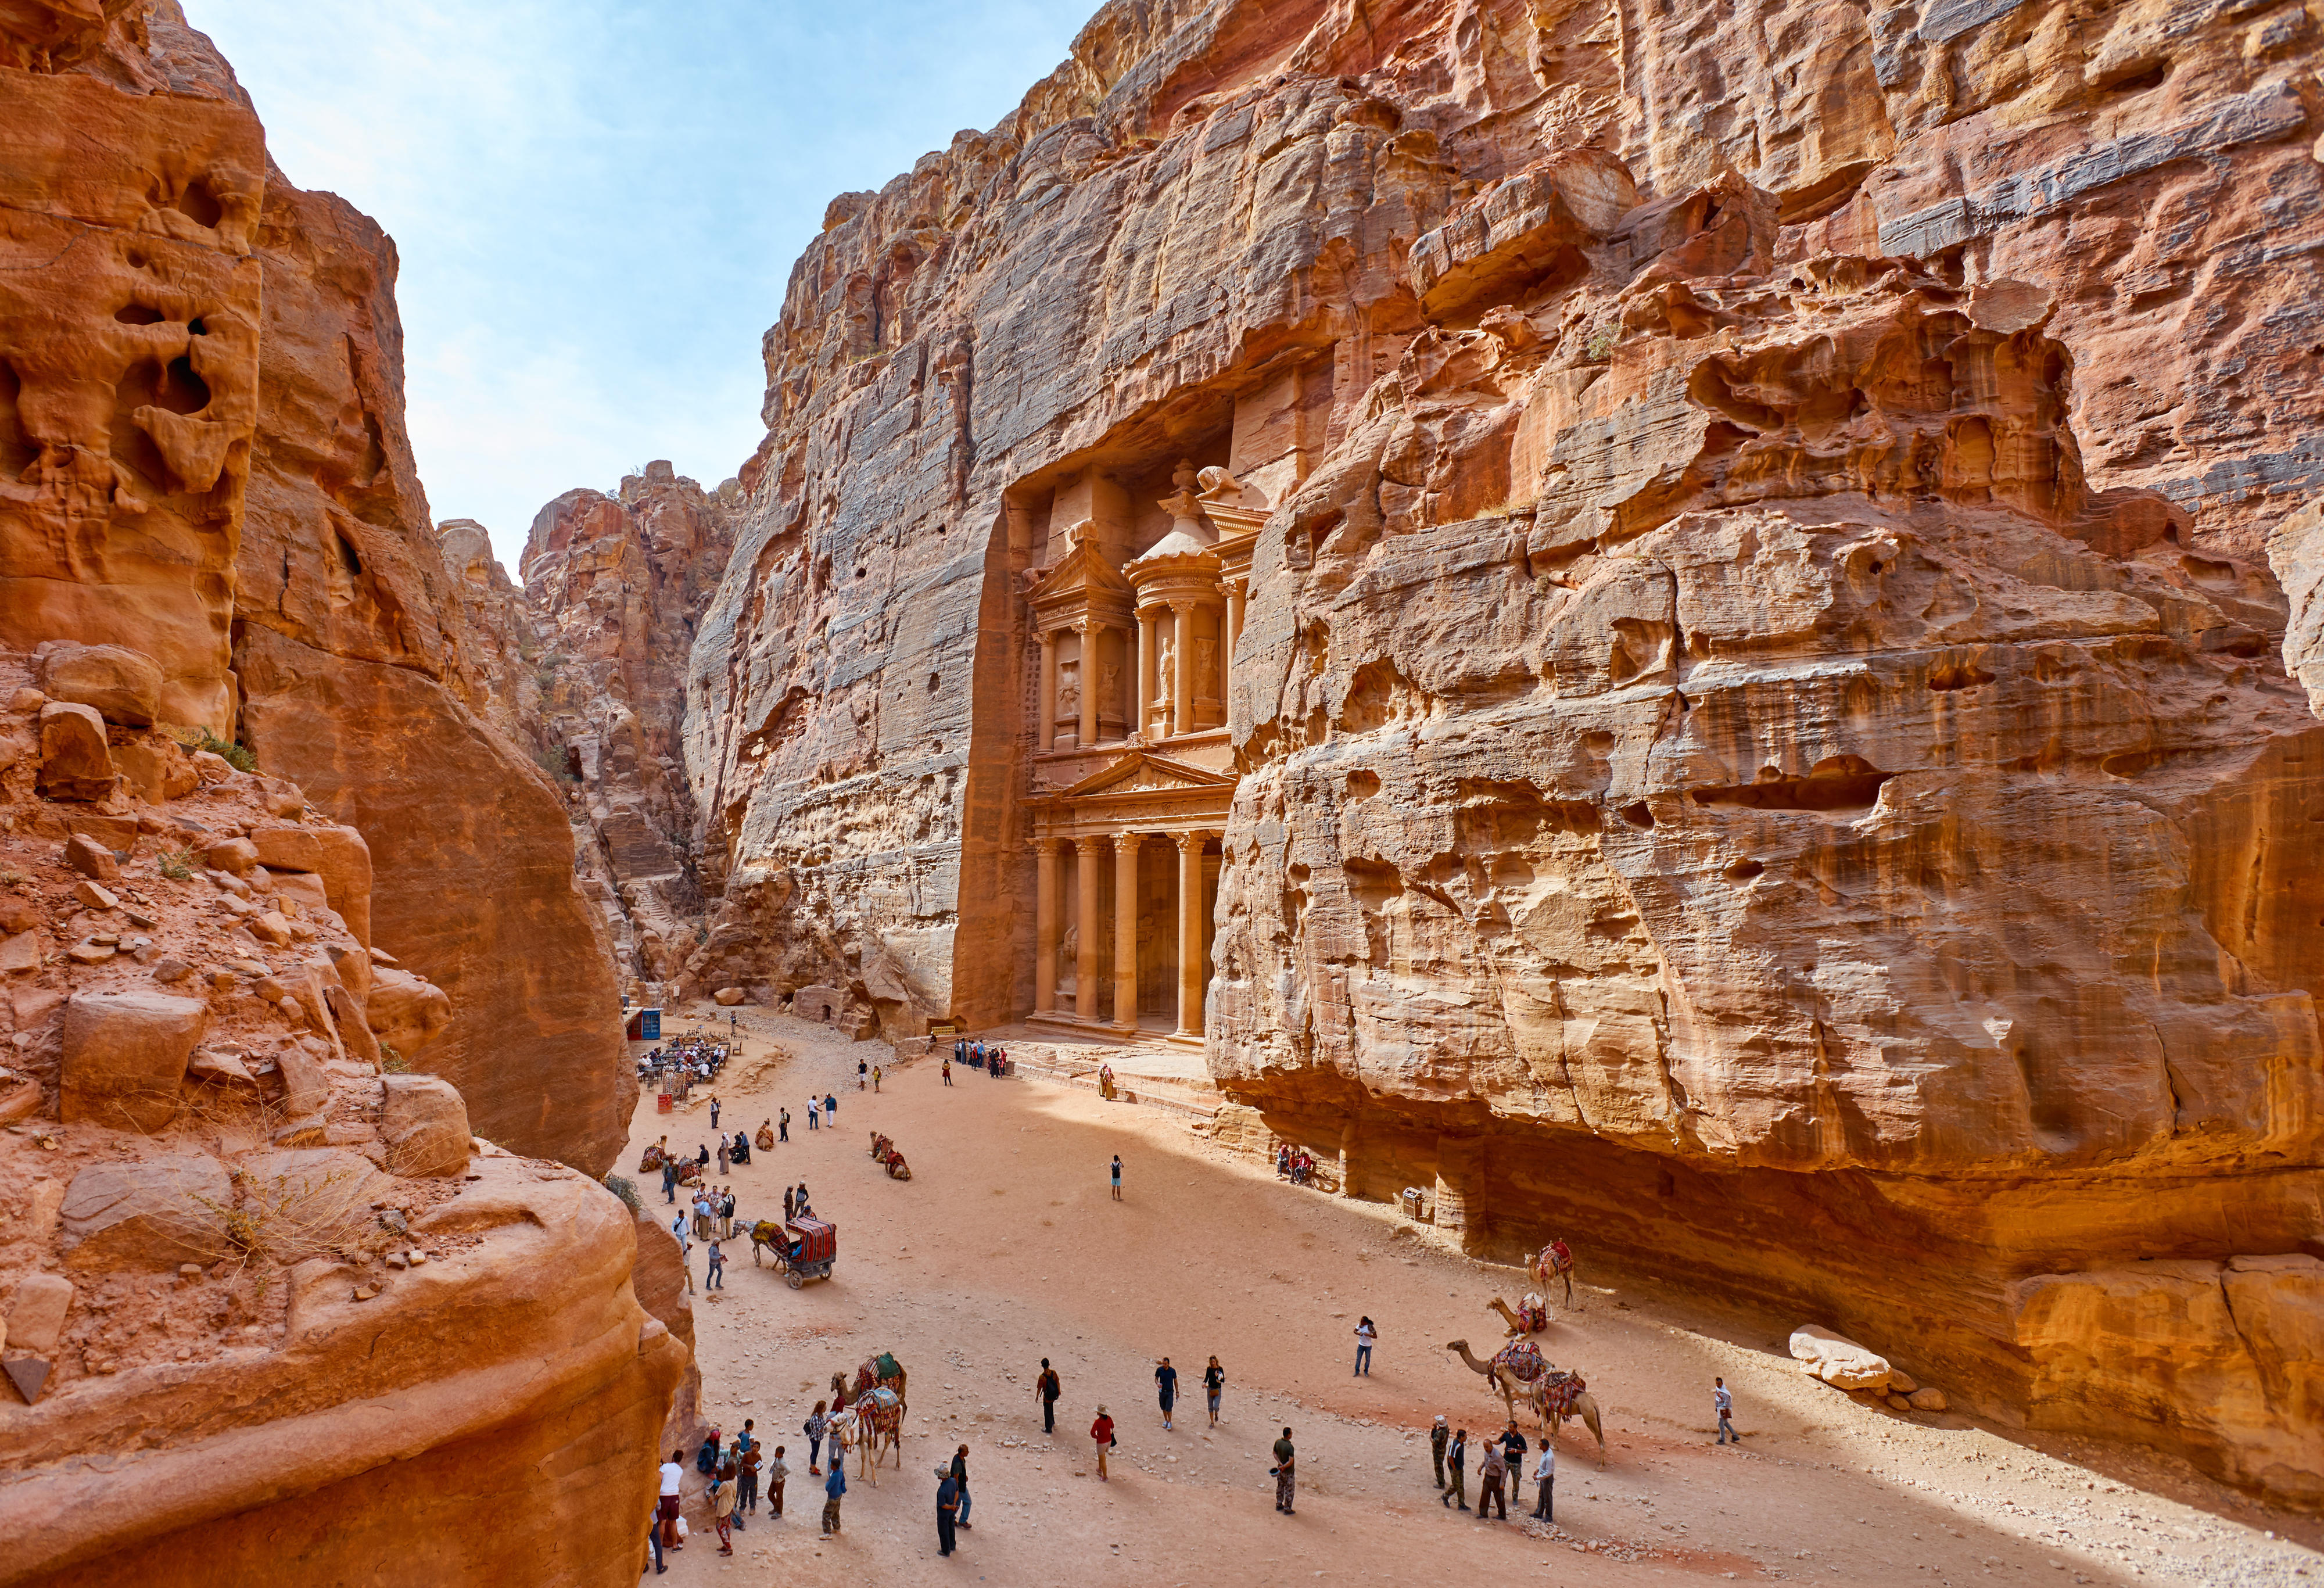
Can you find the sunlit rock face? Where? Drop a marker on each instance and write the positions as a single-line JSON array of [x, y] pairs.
[[1763, 568]]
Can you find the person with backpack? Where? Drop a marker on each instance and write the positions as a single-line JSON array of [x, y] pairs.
[[814, 1429], [784, 1124], [1047, 1389]]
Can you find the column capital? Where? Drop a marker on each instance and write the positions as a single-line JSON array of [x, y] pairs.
[[1046, 636], [1189, 841]]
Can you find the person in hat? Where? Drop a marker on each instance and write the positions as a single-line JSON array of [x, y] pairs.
[[1101, 1431], [947, 1504]]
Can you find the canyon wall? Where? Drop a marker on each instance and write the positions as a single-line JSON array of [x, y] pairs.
[[1766, 705], [249, 1248], [203, 428]]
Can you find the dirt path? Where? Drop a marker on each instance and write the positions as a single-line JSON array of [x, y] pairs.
[[1006, 1247]]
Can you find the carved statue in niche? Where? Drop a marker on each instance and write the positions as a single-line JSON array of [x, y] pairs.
[[1068, 956], [1069, 693], [1206, 667], [1165, 676], [1109, 684]]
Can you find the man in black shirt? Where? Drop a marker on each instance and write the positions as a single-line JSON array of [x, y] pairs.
[[1166, 1382], [1048, 1388]]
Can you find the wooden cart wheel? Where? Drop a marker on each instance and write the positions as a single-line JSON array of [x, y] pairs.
[[793, 1280]]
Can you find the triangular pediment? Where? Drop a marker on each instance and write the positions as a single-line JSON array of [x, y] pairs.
[[1080, 571], [1140, 772]]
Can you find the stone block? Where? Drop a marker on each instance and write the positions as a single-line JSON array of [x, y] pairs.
[[91, 859], [124, 1056], [75, 763], [37, 1309], [1838, 1360], [405, 1012], [152, 1214], [425, 1124], [236, 857], [122, 685]]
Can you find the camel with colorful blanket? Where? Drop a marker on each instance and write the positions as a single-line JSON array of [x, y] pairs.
[[1530, 1317], [1552, 1262], [1519, 1371]]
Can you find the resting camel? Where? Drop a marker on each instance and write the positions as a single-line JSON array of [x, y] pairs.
[[1531, 1319], [1520, 1369]]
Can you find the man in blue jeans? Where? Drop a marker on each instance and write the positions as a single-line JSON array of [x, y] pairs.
[[959, 1474], [1165, 1383], [1365, 1335], [1724, 1405], [718, 1279]]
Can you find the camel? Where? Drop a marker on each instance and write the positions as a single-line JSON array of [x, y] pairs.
[[876, 1429], [1531, 1317], [1518, 1368], [1555, 1261]]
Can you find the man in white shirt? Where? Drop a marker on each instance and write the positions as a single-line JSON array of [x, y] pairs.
[[1724, 1404], [673, 1475], [1544, 1472]]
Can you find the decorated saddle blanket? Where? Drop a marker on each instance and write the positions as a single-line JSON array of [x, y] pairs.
[[1560, 1394], [1523, 1358]]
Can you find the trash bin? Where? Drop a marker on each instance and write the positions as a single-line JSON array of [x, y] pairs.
[[1414, 1203]]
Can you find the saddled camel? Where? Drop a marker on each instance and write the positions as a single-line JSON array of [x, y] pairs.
[[1519, 1371], [1530, 1317]]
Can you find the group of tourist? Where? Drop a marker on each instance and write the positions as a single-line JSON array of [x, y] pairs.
[[683, 1065], [827, 1105], [1500, 1470], [992, 1060], [735, 1471], [1294, 1164]]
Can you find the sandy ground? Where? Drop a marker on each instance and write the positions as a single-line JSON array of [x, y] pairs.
[[1006, 1247]]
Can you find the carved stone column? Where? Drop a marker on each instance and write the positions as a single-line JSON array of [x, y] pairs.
[[1229, 640], [1143, 718], [1085, 864], [1087, 730], [1351, 1129], [1126, 846], [1045, 924], [1181, 698], [1048, 702], [1190, 932]]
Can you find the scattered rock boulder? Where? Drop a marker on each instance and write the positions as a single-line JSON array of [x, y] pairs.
[[337, 855], [425, 1124], [75, 763], [1927, 1399], [91, 859], [1838, 1360], [237, 857], [306, 1085], [153, 1213], [125, 1054], [37, 1309], [406, 1013], [122, 685], [730, 996]]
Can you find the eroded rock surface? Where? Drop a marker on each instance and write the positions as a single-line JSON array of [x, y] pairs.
[[1761, 707]]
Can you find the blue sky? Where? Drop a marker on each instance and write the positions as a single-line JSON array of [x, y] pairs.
[[598, 202]]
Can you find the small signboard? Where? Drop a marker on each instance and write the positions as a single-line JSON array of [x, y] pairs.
[[645, 1025], [943, 1028]]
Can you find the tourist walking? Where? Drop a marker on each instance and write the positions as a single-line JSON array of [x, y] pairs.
[[716, 1278], [814, 1429], [834, 1487], [960, 1476], [1544, 1473], [673, 1478], [777, 1470], [1490, 1472], [725, 1163], [783, 1125], [948, 1072], [1286, 1461], [1102, 1432], [947, 1502], [862, 1074], [830, 1108], [1046, 1389], [875, 1078], [1166, 1385], [1456, 1458], [1724, 1405], [1214, 1383], [713, 1111], [1438, 1438], [1365, 1335], [788, 1198], [685, 1249], [1117, 1177], [668, 1181]]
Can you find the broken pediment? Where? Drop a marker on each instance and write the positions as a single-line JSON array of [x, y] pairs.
[[1139, 772]]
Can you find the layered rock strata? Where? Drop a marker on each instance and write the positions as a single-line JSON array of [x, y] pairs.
[[246, 1254], [1757, 713], [201, 428]]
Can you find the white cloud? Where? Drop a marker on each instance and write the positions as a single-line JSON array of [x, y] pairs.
[[597, 203]]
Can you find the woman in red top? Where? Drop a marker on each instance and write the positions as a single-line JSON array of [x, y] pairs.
[[1101, 1431]]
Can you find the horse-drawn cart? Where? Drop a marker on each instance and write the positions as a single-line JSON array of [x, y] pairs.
[[804, 1249]]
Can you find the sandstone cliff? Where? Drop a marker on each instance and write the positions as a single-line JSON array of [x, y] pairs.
[[245, 1251], [1761, 706], [203, 431]]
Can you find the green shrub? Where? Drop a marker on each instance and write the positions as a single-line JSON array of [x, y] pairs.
[[237, 756], [622, 1186]]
